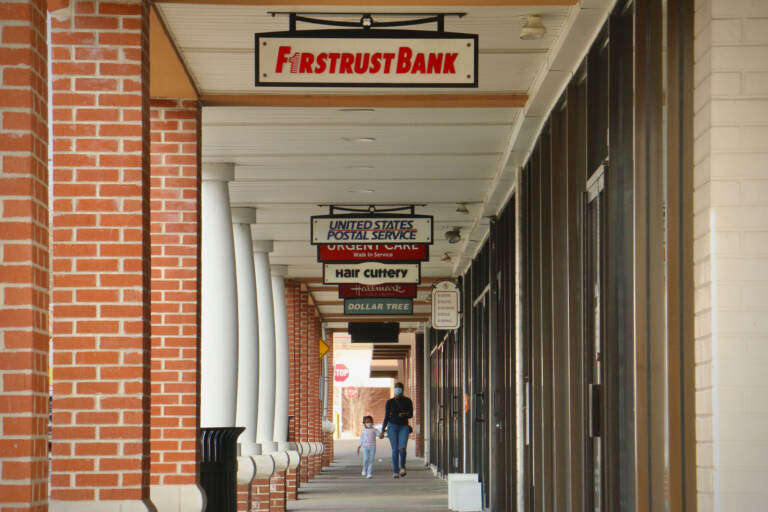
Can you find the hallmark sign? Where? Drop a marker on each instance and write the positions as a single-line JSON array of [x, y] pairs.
[[354, 291], [365, 58], [395, 229], [371, 272]]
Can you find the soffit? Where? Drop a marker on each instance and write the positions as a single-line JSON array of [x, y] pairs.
[[291, 160]]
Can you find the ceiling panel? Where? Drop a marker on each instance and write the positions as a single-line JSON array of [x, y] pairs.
[[329, 116]]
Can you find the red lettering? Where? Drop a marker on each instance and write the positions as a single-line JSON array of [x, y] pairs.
[[375, 63], [418, 64], [361, 62], [388, 61], [306, 62], [450, 59], [334, 57], [320, 63], [404, 55], [435, 62], [282, 58], [346, 63]]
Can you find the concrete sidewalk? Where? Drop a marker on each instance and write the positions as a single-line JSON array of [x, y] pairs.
[[340, 487]]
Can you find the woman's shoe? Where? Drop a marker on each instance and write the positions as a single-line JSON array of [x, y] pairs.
[[403, 472], [396, 475]]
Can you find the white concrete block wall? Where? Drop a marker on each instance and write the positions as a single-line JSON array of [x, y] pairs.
[[731, 253]]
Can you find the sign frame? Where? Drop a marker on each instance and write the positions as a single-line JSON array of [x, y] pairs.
[[363, 263], [370, 33], [321, 248], [383, 301], [374, 217]]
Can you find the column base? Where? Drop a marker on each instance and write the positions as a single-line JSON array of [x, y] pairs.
[[102, 506], [177, 498]]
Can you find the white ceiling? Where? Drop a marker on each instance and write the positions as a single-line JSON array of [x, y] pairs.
[[288, 161]]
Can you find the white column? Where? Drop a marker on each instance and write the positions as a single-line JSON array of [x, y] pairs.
[[281, 353], [218, 340], [248, 328], [266, 424]]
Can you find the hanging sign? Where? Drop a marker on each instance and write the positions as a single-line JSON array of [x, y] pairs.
[[372, 252], [356, 228], [366, 58], [353, 291], [350, 392], [378, 306], [371, 272], [445, 305]]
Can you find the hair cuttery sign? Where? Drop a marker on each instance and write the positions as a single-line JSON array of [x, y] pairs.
[[366, 58]]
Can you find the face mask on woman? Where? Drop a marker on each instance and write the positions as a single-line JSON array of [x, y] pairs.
[[369, 425], [398, 391]]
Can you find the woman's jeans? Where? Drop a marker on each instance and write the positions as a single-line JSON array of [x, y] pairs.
[[369, 455], [398, 438]]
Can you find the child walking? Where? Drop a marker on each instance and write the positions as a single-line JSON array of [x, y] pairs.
[[368, 443]]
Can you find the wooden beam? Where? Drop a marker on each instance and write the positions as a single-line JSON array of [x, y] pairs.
[[382, 3], [466, 100], [169, 76]]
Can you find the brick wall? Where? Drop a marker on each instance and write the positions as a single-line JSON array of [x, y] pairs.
[[731, 253], [24, 253], [100, 251], [175, 231]]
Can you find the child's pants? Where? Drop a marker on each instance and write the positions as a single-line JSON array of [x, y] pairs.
[[369, 455]]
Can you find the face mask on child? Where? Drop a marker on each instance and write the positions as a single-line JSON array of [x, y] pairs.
[[368, 425], [398, 391]]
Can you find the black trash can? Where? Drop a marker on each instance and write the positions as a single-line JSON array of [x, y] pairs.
[[218, 467]]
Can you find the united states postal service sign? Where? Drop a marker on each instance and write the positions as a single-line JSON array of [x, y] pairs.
[[343, 229], [366, 58], [371, 272]]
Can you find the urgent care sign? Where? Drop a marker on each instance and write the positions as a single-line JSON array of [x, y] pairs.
[[366, 58]]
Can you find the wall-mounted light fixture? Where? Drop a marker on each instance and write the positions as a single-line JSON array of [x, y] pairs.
[[453, 235]]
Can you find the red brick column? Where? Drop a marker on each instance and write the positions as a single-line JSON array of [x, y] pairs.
[[328, 437], [175, 236], [304, 384], [418, 395], [101, 328], [243, 497], [260, 495], [277, 492], [315, 409], [293, 316], [24, 256]]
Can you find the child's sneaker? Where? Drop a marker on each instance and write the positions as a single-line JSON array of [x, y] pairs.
[[402, 472], [369, 475], [396, 475], [363, 473]]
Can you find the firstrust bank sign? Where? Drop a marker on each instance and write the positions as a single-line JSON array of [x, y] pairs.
[[366, 58]]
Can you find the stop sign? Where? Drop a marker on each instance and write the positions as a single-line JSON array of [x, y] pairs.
[[341, 373], [350, 392]]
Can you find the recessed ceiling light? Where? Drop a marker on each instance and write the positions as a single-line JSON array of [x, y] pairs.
[[357, 110], [361, 191], [533, 28], [360, 167], [359, 139]]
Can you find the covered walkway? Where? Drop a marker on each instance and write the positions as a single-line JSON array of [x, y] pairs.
[[340, 487]]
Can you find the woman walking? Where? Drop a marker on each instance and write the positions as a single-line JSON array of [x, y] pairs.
[[399, 410]]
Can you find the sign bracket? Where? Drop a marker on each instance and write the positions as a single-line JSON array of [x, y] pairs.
[[366, 21]]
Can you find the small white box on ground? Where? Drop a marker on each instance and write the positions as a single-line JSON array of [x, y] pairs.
[[463, 496]]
